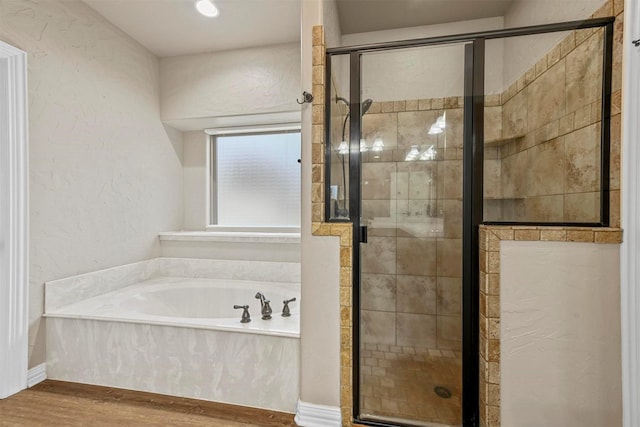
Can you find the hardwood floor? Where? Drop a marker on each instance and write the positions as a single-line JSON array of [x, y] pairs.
[[58, 403]]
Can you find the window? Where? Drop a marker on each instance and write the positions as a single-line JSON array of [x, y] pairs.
[[255, 179]]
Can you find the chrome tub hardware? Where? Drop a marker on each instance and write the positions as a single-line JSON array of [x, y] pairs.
[[266, 308], [246, 317], [285, 310]]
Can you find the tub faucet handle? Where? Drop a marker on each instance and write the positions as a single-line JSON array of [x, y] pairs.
[[246, 317], [285, 310]]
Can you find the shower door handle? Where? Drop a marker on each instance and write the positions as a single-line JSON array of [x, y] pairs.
[[363, 233]]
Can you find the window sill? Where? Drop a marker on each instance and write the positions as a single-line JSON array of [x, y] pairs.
[[230, 236]]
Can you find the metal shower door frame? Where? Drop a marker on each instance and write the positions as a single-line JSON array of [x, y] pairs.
[[473, 162]]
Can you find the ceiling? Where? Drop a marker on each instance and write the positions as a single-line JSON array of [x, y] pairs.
[[360, 16], [174, 27]]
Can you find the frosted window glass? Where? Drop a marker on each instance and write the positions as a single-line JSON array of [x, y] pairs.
[[258, 180]]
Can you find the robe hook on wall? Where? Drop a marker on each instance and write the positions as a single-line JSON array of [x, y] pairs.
[[636, 43], [306, 98]]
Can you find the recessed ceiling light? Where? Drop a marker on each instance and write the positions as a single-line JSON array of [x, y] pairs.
[[207, 8]]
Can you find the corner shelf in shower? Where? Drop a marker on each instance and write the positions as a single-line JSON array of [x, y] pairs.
[[502, 141]]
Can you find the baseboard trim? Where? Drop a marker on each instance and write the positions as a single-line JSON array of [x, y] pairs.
[[37, 374], [311, 415]]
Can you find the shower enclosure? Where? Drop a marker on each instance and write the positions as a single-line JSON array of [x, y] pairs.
[[422, 144], [397, 173]]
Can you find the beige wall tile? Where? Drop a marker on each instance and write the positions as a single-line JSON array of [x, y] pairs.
[[545, 171], [546, 97], [618, 7], [387, 107], [529, 235], [379, 255], [566, 124], [378, 292], [582, 167], [416, 256], [413, 128], [584, 73], [420, 173], [492, 178], [449, 296], [582, 207], [416, 330], [399, 105], [614, 201], [615, 150], [378, 181], [417, 295], [553, 235], [450, 332], [378, 208], [568, 44], [411, 105], [378, 327], [580, 236], [514, 115], [545, 208], [547, 132], [449, 258], [616, 72], [424, 104], [384, 126], [513, 175], [608, 236], [452, 218], [450, 179], [453, 132]]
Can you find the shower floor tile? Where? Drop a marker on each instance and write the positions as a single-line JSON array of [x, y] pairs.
[[398, 383]]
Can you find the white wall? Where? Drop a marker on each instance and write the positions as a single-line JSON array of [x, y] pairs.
[[560, 334], [432, 72], [520, 53], [320, 302], [235, 82], [105, 176]]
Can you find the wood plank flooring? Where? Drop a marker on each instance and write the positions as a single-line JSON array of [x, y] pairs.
[[58, 403]]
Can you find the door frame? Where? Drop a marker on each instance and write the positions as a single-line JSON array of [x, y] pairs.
[[14, 221], [630, 249]]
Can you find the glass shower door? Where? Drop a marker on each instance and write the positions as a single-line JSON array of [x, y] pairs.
[[411, 265]]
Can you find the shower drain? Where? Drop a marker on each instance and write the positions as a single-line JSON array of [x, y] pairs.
[[442, 392]]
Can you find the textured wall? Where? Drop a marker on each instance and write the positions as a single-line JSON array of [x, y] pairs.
[[236, 82], [560, 335], [320, 303], [433, 72], [105, 175]]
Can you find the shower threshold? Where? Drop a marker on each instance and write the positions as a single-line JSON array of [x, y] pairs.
[[405, 422]]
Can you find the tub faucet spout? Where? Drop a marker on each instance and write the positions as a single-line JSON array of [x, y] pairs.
[[265, 307]]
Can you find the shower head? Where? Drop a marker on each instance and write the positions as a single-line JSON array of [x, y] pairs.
[[366, 104]]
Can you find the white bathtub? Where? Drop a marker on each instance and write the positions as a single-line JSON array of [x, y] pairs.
[[179, 336]]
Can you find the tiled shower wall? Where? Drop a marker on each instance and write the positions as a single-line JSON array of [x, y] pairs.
[[542, 158], [412, 264], [547, 133]]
